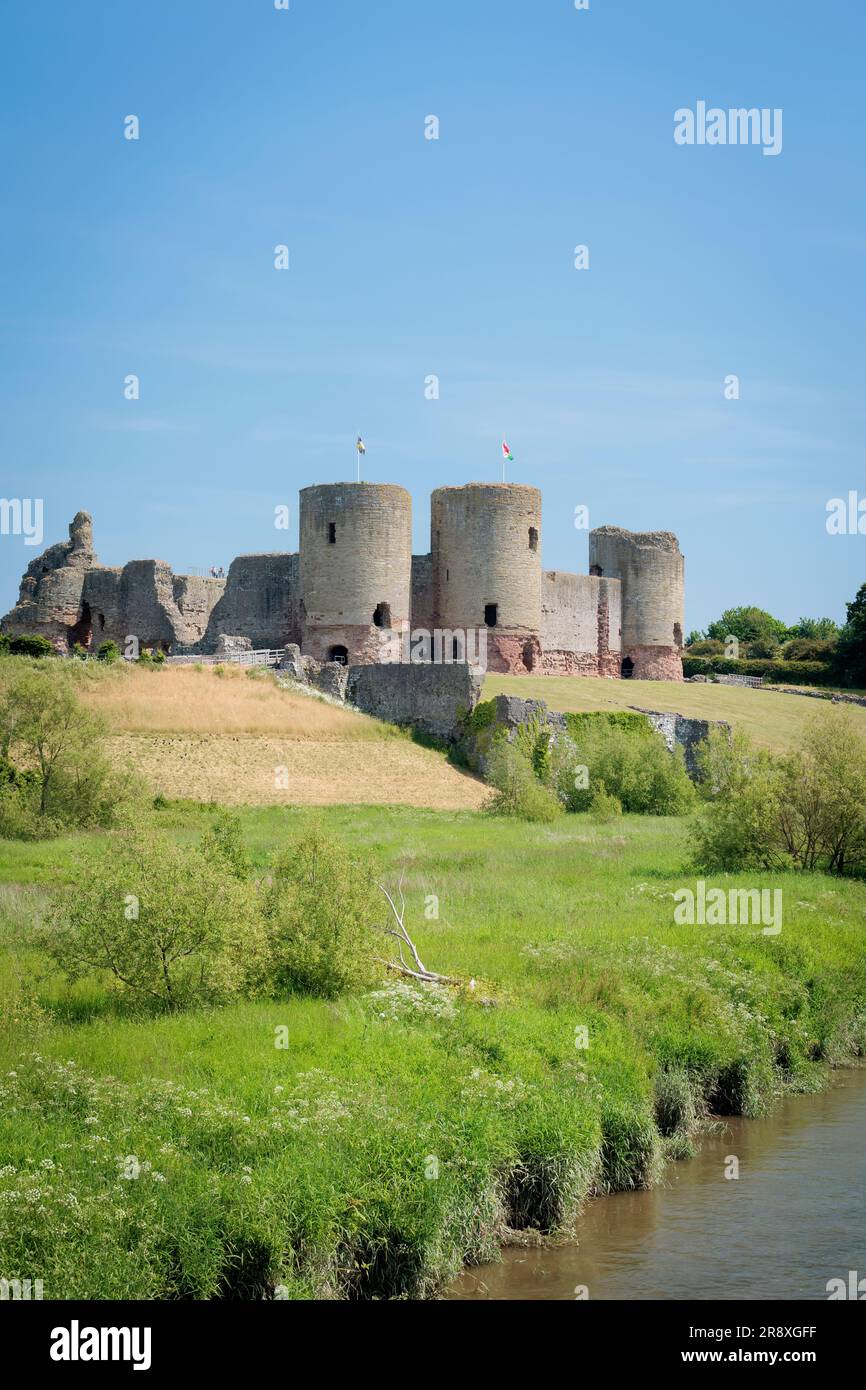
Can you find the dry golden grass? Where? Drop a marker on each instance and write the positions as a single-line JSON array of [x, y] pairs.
[[180, 699], [223, 738], [246, 770], [773, 720]]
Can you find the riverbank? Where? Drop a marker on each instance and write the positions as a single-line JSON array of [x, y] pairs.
[[770, 1208], [371, 1147]]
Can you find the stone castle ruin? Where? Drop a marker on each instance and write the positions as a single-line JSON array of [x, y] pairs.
[[354, 589]]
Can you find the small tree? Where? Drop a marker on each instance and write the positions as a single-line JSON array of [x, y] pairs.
[[851, 647], [747, 624], [108, 652], [168, 924], [46, 732], [323, 915]]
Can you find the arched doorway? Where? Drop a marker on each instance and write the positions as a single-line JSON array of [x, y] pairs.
[[339, 654], [627, 669]]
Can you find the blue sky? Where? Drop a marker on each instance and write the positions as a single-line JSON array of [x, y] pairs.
[[411, 257]]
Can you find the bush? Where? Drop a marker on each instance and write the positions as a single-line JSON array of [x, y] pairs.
[[806, 810], [776, 672], [49, 734], [710, 646], [740, 784], [604, 807], [517, 790], [808, 649], [108, 651], [169, 925], [323, 912], [627, 761], [763, 648], [31, 644]]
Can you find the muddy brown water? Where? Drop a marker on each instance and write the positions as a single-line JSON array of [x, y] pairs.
[[793, 1219]]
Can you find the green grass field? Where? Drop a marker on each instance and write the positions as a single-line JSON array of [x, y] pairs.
[[774, 720], [369, 1147]]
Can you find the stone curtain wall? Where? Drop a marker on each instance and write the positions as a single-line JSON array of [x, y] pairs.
[[580, 622], [258, 600], [429, 698]]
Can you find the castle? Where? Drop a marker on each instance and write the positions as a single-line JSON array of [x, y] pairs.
[[355, 580]]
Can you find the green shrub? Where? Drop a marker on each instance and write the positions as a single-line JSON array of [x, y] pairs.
[[709, 646], [604, 806], [324, 916], [590, 720], [808, 649], [483, 715], [740, 786], [167, 924], [776, 672], [627, 761], [806, 810], [223, 845], [764, 648], [516, 789], [108, 651], [30, 644], [46, 731]]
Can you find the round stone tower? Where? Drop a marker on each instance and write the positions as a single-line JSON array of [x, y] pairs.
[[355, 570], [485, 540], [650, 568]]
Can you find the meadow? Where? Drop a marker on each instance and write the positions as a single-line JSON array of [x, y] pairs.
[[771, 718], [368, 1147]]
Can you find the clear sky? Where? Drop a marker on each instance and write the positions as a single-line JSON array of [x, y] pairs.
[[454, 257]]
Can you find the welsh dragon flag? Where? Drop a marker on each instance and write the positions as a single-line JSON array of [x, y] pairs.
[[506, 453]]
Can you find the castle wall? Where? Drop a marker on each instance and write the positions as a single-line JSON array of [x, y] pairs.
[[485, 539], [580, 622], [650, 568], [431, 698], [355, 585], [423, 597], [258, 600], [49, 597], [356, 564]]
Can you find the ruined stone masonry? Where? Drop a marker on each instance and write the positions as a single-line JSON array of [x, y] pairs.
[[355, 588]]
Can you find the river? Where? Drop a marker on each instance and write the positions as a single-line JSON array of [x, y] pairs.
[[793, 1219]]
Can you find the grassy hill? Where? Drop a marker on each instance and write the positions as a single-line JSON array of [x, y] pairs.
[[220, 734], [772, 719]]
